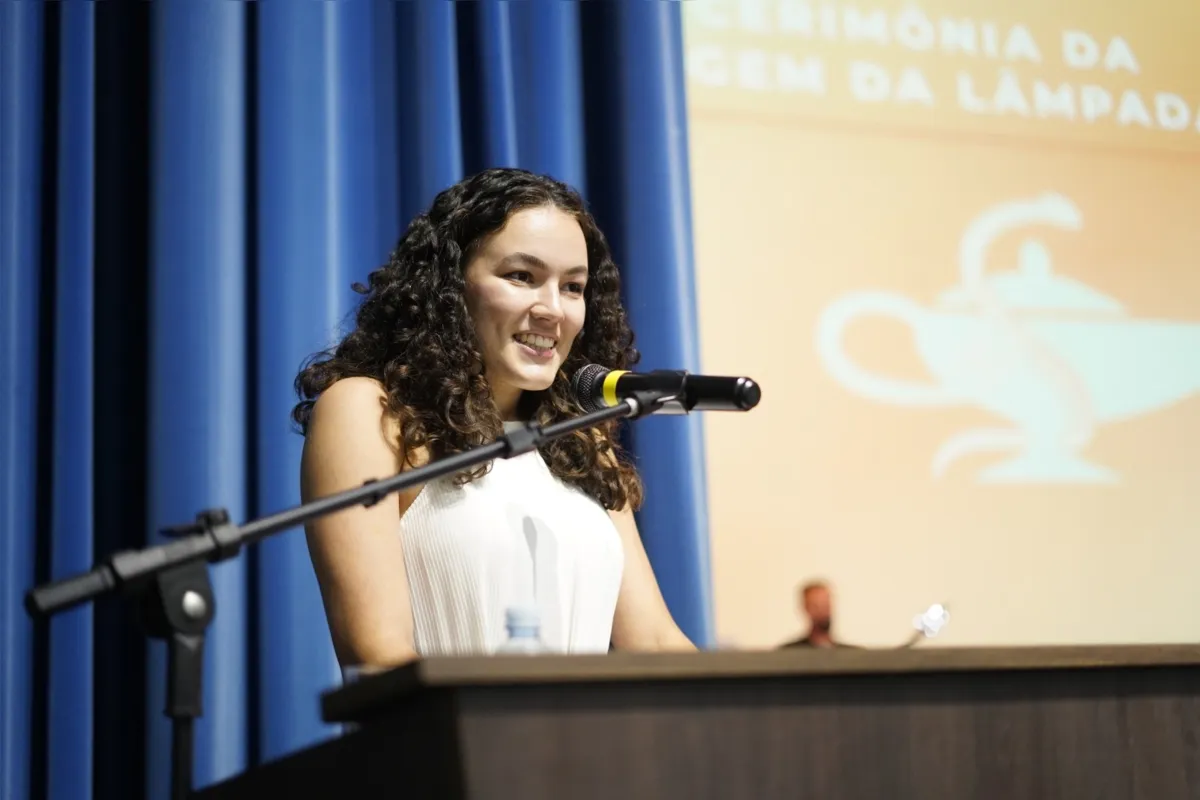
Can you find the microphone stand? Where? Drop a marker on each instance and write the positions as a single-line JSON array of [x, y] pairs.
[[171, 585]]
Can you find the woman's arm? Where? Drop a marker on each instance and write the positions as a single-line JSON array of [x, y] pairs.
[[642, 620], [356, 552]]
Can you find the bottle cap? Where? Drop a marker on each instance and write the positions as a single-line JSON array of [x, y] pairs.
[[521, 617]]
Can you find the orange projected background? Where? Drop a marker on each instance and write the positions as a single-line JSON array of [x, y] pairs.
[[958, 244]]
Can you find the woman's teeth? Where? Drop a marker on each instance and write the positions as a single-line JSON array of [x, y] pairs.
[[535, 341]]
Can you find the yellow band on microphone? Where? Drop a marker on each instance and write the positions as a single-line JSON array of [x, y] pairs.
[[610, 386]]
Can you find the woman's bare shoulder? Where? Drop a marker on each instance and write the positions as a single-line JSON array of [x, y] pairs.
[[354, 407], [356, 392]]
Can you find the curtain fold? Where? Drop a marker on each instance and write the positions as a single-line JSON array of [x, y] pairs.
[[21, 116], [188, 192], [549, 107], [429, 114], [70, 699], [198, 346], [496, 89]]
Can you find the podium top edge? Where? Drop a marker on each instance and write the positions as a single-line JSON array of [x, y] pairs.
[[352, 701]]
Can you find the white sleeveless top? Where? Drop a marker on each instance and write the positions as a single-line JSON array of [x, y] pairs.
[[516, 537]]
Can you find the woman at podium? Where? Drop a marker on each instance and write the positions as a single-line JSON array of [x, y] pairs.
[[490, 301]]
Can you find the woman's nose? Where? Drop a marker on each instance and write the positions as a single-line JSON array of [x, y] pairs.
[[548, 305]]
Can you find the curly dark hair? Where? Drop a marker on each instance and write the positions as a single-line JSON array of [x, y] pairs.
[[414, 335]]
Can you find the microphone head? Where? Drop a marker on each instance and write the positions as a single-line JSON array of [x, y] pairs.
[[586, 385], [747, 394]]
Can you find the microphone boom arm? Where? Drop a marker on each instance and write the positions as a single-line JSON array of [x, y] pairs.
[[171, 583]]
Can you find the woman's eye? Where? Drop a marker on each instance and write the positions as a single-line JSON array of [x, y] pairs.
[[520, 276], [575, 288]]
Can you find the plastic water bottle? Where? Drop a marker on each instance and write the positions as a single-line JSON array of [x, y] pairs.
[[524, 632]]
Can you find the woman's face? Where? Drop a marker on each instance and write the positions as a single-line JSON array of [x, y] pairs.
[[525, 296]]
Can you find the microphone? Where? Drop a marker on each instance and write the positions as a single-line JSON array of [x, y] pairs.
[[928, 624], [598, 387]]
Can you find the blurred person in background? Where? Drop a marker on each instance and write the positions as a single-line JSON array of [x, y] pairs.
[[815, 603]]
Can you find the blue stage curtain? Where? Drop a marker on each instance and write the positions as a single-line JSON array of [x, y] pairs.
[[187, 192], [70, 702], [199, 344], [22, 117]]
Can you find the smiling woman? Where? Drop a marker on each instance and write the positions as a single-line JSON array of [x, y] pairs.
[[489, 303]]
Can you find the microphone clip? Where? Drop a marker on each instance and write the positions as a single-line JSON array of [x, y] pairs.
[[646, 402]]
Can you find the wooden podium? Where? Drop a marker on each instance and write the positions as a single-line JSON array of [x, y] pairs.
[[1060, 723]]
